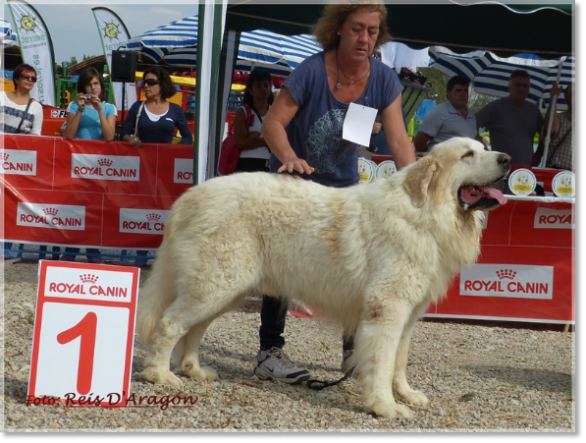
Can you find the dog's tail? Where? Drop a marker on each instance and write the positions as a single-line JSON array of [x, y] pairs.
[[154, 297]]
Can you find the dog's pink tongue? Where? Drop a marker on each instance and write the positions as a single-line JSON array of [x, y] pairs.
[[471, 195], [495, 194]]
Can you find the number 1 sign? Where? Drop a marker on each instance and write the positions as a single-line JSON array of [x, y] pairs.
[[84, 334]]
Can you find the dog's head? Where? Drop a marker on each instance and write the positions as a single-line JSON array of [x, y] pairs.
[[459, 169]]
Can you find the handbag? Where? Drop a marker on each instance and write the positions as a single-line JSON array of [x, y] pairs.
[[230, 152], [28, 105]]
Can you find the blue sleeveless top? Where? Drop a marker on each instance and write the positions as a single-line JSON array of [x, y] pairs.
[[315, 132]]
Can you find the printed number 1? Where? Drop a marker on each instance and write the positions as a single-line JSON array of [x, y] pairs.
[[86, 329]]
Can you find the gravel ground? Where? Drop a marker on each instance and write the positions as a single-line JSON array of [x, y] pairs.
[[479, 377]]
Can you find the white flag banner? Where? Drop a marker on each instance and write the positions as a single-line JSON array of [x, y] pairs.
[[114, 35], [36, 48]]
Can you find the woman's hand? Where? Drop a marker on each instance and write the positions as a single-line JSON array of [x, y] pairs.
[[134, 141], [81, 100], [296, 164]]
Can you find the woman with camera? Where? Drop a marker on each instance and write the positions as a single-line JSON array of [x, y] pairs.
[[90, 117]]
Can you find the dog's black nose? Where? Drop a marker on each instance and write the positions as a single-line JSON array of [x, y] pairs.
[[504, 160]]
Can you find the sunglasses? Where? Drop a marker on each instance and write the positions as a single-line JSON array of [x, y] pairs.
[[150, 82], [32, 78]]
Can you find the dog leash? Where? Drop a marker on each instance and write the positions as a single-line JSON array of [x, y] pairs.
[[319, 385]]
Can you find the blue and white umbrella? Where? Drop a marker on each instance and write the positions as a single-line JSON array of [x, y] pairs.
[[176, 45], [8, 37], [491, 73]]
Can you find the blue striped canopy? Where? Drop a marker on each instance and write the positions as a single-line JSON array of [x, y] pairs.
[[490, 73], [8, 37], [176, 45]]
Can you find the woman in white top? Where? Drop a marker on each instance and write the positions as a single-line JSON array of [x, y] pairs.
[[258, 96], [19, 113]]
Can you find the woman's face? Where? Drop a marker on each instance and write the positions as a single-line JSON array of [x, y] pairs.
[[26, 81], [151, 86], [94, 87], [358, 35], [261, 90]]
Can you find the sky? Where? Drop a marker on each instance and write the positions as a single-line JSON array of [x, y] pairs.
[[73, 28]]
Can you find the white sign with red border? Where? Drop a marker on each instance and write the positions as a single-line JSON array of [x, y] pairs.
[[84, 334]]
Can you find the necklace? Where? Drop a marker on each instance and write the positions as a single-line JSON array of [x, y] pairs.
[[338, 84]]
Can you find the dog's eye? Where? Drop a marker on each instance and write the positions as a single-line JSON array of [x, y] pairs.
[[468, 154]]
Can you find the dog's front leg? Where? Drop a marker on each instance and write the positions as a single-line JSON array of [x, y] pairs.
[[376, 344], [400, 384]]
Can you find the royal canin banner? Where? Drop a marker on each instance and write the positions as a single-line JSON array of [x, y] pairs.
[[111, 195], [90, 193]]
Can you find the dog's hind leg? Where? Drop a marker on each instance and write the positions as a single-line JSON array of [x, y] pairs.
[[189, 365], [400, 384], [176, 322], [375, 348]]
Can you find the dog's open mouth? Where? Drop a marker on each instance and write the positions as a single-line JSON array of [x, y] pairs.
[[476, 197]]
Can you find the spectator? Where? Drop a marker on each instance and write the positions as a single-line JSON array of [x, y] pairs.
[[486, 143], [451, 118], [560, 151], [21, 114], [155, 120], [303, 129], [90, 117], [512, 121], [258, 96], [161, 118]]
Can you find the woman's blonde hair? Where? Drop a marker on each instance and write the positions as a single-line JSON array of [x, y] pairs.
[[335, 15]]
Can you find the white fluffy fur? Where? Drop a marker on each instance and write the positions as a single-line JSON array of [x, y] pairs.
[[371, 256]]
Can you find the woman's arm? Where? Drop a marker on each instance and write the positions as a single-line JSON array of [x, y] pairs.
[[73, 118], [108, 123], [245, 139], [181, 122], [273, 131], [37, 121], [127, 130], [396, 134]]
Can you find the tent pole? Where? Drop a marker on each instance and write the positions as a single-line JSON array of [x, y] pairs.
[[553, 102]]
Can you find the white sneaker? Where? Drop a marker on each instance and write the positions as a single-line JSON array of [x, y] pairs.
[[273, 364]]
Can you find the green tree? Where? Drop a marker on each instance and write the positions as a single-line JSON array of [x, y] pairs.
[[439, 83], [73, 61]]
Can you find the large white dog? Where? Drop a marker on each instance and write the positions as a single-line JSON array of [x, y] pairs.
[[372, 256]]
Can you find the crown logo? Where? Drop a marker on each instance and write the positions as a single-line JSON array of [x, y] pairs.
[[88, 278], [153, 217], [105, 162], [509, 274], [4, 156], [50, 211]]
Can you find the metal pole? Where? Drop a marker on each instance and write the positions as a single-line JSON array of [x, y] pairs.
[[553, 102]]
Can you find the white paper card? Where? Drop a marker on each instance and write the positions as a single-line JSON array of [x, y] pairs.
[[358, 124]]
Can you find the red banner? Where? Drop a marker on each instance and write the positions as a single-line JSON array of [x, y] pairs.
[[97, 194], [91, 193]]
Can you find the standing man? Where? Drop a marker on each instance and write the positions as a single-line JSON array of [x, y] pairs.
[[451, 118], [512, 121], [560, 153]]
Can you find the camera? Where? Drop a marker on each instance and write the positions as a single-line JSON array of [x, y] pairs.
[[87, 96]]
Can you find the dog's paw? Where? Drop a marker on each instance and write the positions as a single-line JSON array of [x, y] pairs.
[[413, 397], [392, 411], [203, 373], [161, 377]]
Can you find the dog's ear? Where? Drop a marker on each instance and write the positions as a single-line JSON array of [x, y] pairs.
[[421, 182]]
